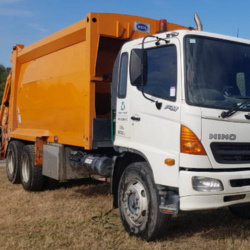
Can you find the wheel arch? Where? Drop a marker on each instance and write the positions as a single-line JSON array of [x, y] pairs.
[[127, 157], [39, 142]]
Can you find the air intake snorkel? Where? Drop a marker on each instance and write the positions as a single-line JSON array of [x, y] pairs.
[[198, 22]]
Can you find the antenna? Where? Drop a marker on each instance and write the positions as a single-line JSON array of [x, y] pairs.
[[238, 32]]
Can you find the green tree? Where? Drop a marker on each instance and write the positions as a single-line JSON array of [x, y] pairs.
[[4, 72], [2, 69]]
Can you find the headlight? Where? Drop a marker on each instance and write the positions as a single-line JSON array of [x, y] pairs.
[[206, 184]]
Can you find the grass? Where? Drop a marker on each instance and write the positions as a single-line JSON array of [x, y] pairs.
[[80, 217]]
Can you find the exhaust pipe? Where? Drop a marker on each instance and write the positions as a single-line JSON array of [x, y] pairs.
[[198, 22]]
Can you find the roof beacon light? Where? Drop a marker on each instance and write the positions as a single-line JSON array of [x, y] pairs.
[[163, 25]]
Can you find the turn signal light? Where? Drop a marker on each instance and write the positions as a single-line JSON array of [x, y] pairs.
[[190, 144], [169, 162]]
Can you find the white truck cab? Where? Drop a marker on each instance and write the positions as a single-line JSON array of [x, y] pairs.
[[183, 104]]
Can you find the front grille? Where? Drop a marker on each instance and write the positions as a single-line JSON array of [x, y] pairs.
[[240, 183], [231, 153]]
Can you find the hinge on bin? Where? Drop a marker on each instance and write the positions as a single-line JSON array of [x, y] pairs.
[[103, 78], [96, 79]]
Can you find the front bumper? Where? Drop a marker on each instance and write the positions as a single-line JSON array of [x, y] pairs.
[[194, 200]]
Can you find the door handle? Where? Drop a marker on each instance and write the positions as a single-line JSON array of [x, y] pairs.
[[135, 118]]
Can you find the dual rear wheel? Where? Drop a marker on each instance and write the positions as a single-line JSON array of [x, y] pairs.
[[20, 167], [13, 161], [31, 174]]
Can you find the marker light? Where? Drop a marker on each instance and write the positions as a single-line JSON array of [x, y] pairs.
[[206, 184], [163, 25], [190, 144], [169, 162]]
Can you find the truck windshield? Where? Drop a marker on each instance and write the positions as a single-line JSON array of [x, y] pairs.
[[217, 72]]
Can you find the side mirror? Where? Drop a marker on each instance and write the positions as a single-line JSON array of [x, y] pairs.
[[138, 67]]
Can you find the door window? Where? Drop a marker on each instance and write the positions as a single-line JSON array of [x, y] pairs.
[[123, 76], [162, 72]]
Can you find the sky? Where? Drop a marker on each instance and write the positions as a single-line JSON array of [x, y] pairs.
[[27, 21]]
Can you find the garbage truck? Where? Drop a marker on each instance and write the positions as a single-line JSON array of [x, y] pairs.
[[159, 109]]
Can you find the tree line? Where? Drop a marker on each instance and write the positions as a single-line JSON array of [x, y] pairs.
[[4, 72]]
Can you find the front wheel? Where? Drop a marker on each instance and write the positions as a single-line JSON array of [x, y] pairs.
[[139, 203]]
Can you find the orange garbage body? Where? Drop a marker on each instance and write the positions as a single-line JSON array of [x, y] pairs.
[[58, 85]]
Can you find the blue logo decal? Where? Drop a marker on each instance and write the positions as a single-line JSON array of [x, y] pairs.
[[142, 27]]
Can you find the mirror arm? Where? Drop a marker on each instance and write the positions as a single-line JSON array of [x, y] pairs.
[[142, 66]]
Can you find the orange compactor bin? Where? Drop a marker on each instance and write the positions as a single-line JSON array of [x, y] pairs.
[[59, 87]]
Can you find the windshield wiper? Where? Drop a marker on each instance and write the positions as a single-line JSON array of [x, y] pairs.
[[233, 110]]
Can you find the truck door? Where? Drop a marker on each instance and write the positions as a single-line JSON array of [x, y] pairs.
[[123, 100], [155, 110]]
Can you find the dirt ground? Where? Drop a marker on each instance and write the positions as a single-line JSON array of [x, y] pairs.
[[79, 216]]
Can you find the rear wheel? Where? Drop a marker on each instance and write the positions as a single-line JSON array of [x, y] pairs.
[[242, 211], [31, 174], [139, 203], [13, 159]]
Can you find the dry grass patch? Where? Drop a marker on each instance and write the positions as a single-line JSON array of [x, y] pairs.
[[80, 217]]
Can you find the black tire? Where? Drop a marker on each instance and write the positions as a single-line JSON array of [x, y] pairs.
[[139, 203], [13, 160], [242, 211], [31, 174]]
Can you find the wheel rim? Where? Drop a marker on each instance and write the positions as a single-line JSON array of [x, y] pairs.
[[25, 169], [10, 163], [135, 203]]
